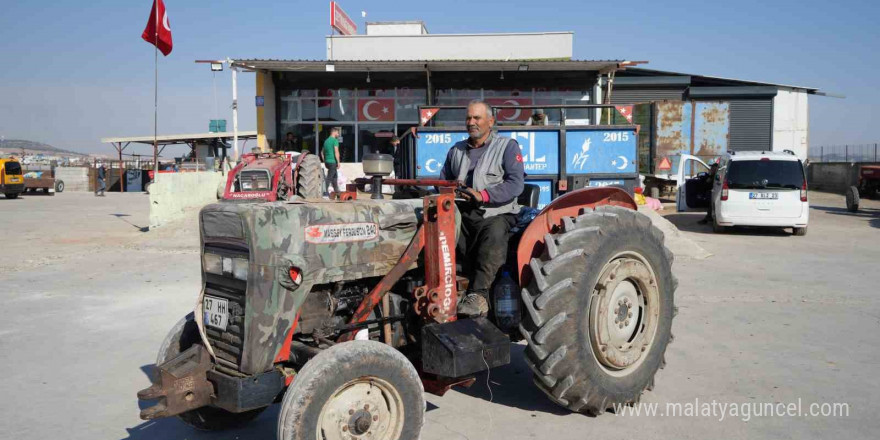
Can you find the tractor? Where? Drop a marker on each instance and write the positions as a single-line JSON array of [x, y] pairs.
[[868, 186], [268, 177], [344, 311]]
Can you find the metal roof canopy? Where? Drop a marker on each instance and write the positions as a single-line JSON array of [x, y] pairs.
[[173, 139], [602, 66], [633, 77]]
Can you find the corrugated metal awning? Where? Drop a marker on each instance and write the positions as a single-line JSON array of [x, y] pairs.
[[603, 66], [179, 138]]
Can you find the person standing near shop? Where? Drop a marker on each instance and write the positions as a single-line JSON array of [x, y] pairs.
[[291, 143], [395, 152], [102, 180], [330, 155]]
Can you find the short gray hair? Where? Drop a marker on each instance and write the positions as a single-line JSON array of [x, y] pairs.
[[489, 110]]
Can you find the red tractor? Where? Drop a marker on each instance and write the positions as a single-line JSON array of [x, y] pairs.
[[344, 311], [268, 177], [868, 186]]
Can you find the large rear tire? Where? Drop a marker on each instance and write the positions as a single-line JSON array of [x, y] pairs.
[[310, 179], [207, 418], [358, 389], [852, 199], [599, 310]]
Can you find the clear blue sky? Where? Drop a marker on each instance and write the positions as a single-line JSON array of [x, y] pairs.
[[76, 71]]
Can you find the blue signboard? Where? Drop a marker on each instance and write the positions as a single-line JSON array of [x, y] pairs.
[[540, 150], [546, 194], [598, 183], [600, 152]]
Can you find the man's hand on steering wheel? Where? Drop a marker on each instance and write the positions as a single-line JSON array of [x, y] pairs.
[[470, 195]]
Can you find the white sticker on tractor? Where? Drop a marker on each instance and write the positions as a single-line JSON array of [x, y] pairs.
[[341, 233]]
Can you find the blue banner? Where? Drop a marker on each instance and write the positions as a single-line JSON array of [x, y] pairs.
[[540, 150], [598, 183], [600, 152]]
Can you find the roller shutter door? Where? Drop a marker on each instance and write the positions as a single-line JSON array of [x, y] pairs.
[[751, 124], [632, 95]]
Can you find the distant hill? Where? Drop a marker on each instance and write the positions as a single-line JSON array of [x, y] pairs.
[[16, 145]]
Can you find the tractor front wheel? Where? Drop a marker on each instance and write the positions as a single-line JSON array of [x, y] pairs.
[[207, 418], [358, 389], [599, 310]]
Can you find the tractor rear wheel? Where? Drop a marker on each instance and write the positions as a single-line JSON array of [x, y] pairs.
[[207, 418], [852, 199], [358, 389], [599, 310], [310, 179]]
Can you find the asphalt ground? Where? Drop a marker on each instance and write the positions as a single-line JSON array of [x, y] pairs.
[[768, 318]]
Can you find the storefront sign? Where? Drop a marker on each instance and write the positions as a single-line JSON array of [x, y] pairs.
[[340, 21], [600, 152]]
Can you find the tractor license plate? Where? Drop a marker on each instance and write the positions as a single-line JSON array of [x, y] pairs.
[[763, 195], [216, 312]]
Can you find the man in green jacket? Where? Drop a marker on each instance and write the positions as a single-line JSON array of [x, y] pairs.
[[330, 156]]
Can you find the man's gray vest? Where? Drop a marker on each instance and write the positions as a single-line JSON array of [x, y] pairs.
[[488, 172]]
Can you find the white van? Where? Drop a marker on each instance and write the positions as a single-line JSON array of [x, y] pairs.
[[750, 188]]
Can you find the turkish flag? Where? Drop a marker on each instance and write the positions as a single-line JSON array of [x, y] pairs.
[[511, 114], [376, 109], [158, 20]]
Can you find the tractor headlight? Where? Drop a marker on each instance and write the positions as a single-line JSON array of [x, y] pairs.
[[220, 265], [240, 268], [213, 264]]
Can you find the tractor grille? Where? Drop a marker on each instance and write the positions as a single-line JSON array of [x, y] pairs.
[[255, 180], [229, 344]]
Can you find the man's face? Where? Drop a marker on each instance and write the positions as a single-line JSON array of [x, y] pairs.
[[478, 121], [290, 136]]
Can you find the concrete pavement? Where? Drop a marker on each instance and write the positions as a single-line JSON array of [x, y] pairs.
[[87, 298]]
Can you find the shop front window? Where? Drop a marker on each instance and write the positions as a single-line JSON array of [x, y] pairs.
[[408, 102], [336, 109], [346, 140], [303, 137], [308, 109], [375, 138]]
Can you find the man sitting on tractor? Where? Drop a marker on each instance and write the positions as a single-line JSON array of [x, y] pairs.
[[490, 167]]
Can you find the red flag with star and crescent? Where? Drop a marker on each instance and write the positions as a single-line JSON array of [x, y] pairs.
[[158, 31], [426, 114]]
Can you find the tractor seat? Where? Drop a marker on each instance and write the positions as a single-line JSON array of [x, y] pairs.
[[529, 196]]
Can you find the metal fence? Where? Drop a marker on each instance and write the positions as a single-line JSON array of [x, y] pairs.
[[845, 153]]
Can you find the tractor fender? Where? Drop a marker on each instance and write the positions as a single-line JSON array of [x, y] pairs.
[[531, 245]]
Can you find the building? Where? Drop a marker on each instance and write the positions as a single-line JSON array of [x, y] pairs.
[[371, 85]]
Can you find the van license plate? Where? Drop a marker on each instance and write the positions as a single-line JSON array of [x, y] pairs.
[[763, 196], [216, 312]]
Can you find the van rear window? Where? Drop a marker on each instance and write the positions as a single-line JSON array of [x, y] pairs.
[[13, 168], [761, 174]]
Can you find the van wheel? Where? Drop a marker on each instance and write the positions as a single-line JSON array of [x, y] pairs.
[[354, 390], [59, 186], [207, 418], [852, 199], [599, 309], [800, 232]]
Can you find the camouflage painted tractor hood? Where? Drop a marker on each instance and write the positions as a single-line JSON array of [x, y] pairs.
[[328, 241]]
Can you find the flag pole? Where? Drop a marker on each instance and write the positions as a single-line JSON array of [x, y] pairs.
[[156, 93]]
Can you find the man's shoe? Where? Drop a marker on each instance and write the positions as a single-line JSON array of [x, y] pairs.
[[473, 305]]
